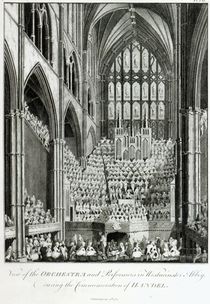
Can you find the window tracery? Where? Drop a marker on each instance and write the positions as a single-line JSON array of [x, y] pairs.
[[137, 89], [37, 27]]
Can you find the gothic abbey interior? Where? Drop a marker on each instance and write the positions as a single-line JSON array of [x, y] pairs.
[[106, 132]]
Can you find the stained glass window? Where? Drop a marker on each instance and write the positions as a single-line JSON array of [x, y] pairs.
[[153, 111], [145, 95], [126, 60], [161, 111], [111, 91], [118, 63], [136, 111], [118, 91], [145, 60], [126, 110], [153, 91], [119, 110], [111, 111], [137, 90]]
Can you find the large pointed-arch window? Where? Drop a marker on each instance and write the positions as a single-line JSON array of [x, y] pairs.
[[71, 74], [37, 27], [136, 83]]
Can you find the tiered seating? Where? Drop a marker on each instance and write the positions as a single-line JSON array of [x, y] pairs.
[[127, 212], [136, 179], [88, 188], [105, 179], [37, 125], [35, 213]]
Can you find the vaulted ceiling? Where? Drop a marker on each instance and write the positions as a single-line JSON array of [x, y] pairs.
[[117, 24]]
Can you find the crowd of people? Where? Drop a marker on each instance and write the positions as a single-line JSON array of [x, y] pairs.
[[200, 256], [127, 212], [158, 214], [35, 213], [108, 180], [146, 180], [154, 250], [97, 192], [41, 247], [45, 248], [37, 125], [200, 224], [8, 222], [86, 186]]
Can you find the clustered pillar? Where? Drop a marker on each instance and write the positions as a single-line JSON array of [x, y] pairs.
[[58, 186], [85, 103], [178, 121]]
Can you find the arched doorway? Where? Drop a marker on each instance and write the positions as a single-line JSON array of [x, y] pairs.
[[37, 149], [40, 130], [72, 131]]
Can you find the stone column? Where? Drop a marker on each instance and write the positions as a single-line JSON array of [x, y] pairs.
[[20, 183], [70, 77], [85, 103], [177, 117], [197, 161], [40, 37], [103, 104], [52, 52], [11, 158], [33, 22], [67, 74], [17, 177], [170, 110], [58, 183], [187, 126], [76, 87], [98, 108], [47, 39], [59, 142], [185, 129], [188, 154], [172, 200], [18, 158], [61, 187]]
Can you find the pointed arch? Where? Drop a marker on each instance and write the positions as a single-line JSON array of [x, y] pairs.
[[91, 140], [46, 98], [125, 155], [38, 27], [9, 68], [76, 76], [71, 110], [118, 148], [93, 134], [198, 50], [145, 148]]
